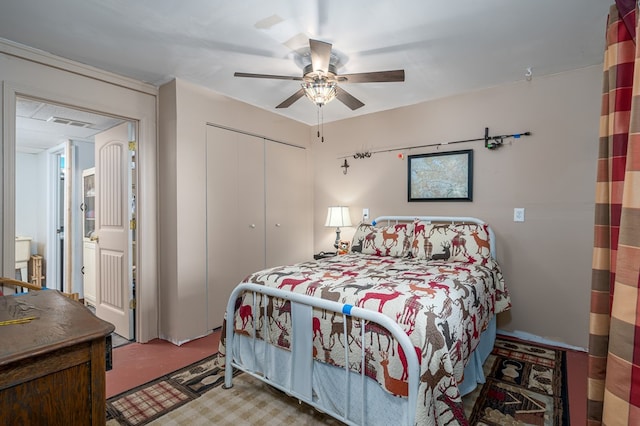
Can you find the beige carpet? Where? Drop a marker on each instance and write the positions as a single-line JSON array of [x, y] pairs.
[[229, 407]]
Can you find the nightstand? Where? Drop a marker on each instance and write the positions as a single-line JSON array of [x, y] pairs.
[[324, 255]]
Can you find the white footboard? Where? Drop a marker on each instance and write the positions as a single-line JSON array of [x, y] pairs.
[[301, 383]]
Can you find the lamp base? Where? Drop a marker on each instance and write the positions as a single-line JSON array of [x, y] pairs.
[[337, 243]]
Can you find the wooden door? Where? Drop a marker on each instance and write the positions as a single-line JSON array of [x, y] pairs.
[[235, 214], [114, 290], [288, 205]]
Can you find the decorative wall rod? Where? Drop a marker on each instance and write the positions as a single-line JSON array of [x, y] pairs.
[[490, 142]]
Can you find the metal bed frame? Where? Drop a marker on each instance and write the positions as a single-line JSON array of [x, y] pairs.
[[302, 342]]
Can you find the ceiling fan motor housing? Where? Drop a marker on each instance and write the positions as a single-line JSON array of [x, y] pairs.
[[308, 74]]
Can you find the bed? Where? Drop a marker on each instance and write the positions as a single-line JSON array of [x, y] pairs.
[[394, 332]]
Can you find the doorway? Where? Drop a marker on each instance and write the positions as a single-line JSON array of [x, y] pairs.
[[54, 145]]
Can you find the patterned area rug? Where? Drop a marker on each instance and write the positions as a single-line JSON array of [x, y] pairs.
[[152, 400], [526, 385], [180, 399]]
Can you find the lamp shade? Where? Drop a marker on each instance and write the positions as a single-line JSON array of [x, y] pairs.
[[338, 216]]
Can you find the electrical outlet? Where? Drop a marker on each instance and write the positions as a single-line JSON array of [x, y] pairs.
[[365, 214], [518, 214]]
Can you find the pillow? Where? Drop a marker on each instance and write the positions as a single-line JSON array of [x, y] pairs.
[[467, 242], [393, 240]]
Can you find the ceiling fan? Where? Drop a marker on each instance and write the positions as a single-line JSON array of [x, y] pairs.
[[320, 79]]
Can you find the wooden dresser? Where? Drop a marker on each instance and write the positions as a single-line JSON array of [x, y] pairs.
[[52, 368]]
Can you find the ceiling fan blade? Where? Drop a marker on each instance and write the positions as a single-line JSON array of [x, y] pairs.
[[348, 99], [372, 77], [277, 77], [291, 99], [320, 55]]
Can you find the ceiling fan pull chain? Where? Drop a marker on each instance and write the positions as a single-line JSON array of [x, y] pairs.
[[322, 123], [320, 127]]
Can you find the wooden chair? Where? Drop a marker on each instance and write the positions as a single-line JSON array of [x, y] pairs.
[[8, 282]]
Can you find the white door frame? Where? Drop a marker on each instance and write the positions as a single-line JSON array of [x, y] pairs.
[[140, 112], [53, 268], [70, 219]]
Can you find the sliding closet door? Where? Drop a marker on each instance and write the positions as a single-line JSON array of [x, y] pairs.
[[288, 201], [235, 214]]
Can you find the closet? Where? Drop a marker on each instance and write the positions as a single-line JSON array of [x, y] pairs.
[[258, 210]]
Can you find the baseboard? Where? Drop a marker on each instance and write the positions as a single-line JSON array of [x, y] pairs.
[[182, 342], [538, 339]]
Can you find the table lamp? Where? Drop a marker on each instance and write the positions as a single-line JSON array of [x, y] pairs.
[[338, 216]]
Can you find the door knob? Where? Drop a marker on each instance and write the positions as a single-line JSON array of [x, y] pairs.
[[252, 226], [93, 238]]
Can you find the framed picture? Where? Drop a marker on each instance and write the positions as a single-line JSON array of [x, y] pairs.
[[441, 176]]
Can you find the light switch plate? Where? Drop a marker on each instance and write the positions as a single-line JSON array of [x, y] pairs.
[[518, 214], [365, 214]]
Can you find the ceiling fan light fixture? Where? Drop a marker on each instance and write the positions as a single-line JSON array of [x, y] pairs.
[[320, 91]]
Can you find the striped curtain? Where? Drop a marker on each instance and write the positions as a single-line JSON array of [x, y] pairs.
[[614, 329]]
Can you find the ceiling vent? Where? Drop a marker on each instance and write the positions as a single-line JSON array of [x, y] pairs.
[[68, 122]]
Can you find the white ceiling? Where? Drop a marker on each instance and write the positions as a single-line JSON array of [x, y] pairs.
[[40, 125], [445, 47]]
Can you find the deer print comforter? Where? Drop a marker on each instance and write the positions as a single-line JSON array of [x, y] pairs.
[[442, 306]]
